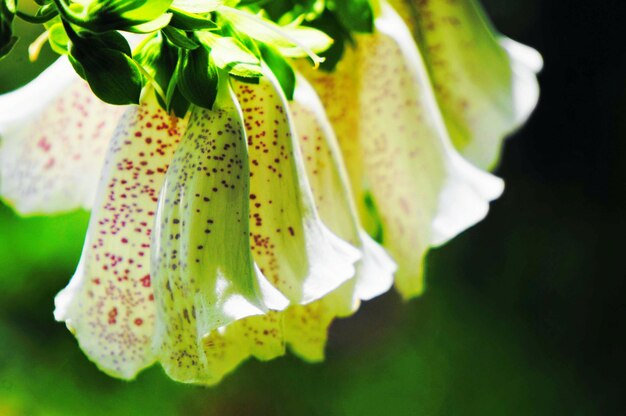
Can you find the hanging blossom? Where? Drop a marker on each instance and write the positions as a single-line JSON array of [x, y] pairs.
[[241, 205]]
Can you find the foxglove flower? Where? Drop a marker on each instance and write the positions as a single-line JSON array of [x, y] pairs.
[[110, 302], [398, 149], [247, 222], [54, 134], [485, 83]]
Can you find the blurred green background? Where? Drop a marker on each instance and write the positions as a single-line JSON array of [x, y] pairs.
[[523, 313]]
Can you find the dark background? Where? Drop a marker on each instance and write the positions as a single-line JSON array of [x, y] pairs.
[[523, 314]]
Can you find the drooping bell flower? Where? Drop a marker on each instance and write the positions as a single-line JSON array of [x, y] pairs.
[[253, 212], [53, 137], [287, 241], [204, 272], [406, 175], [485, 83], [110, 302], [306, 326]]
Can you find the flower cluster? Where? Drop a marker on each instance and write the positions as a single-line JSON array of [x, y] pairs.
[[250, 198]]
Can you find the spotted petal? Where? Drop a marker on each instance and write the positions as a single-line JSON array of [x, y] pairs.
[[204, 276], [485, 83], [339, 93], [291, 246], [424, 191], [109, 303], [306, 326], [54, 134]]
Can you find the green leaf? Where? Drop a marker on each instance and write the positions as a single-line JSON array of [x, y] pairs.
[[77, 67], [112, 75], [152, 26], [197, 78], [281, 69], [355, 15], [113, 40], [58, 40], [100, 16], [230, 54], [188, 21], [7, 44], [329, 24], [179, 38], [291, 41], [7, 39]]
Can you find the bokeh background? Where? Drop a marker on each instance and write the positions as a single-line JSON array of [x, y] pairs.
[[523, 313]]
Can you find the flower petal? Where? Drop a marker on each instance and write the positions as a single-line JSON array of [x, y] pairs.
[[339, 93], [425, 192], [306, 326], [109, 303], [291, 246], [51, 156], [486, 89], [331, 190], [204, 276], [261, 336]]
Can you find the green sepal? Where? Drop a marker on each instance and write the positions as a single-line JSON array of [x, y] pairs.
[[175, 101], [281, 69], [179, 38], [160, 58], [152, 26], [197, 77], [253, 80], [189, 21], [178, 104]]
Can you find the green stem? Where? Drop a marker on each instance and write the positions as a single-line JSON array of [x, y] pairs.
[[68, 14], [38, 19]]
